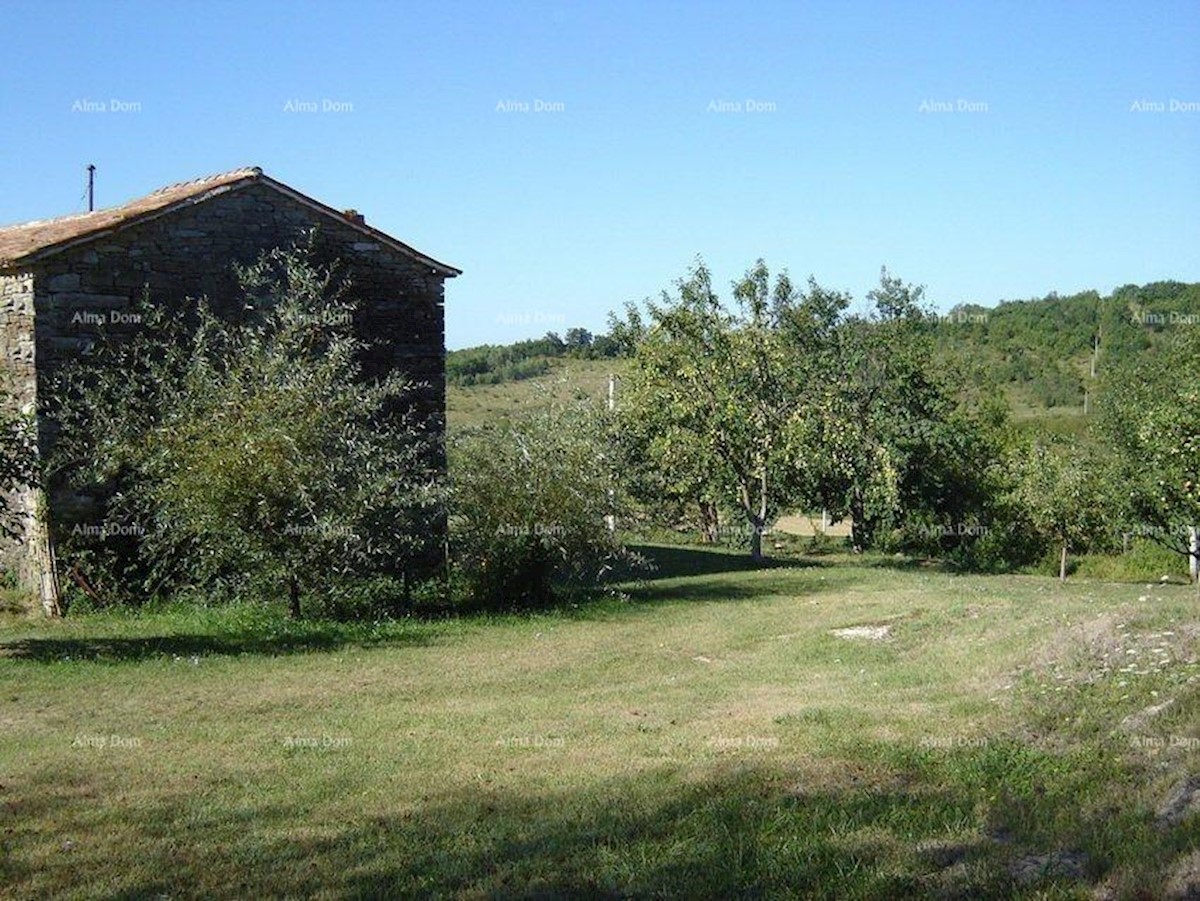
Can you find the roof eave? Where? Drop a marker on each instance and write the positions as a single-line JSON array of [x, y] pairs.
[[50, 250], [443, 269], [36, 256]]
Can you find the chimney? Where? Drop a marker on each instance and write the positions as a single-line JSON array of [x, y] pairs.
[[354, 216]]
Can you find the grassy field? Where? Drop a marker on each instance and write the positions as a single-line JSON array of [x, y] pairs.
[[709, 735], [571, 379], [568, 380]]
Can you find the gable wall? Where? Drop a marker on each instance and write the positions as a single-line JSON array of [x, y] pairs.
[[91, 288], [55, 311]]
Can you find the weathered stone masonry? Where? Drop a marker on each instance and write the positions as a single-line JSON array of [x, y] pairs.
[[84, 275]]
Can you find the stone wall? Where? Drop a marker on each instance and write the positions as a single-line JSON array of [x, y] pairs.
[[54, 312], [19, 384], [189, 253], [16, 335]]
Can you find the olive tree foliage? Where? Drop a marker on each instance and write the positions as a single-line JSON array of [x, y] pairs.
[[252, 458], [1150, 416], [529, 501], [671, 480], [715, 392]]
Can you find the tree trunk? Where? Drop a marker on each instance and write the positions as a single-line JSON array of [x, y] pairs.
[[1062, 564], [858, 523], [760, 521], [709, 524], [1194, 556], [293, 597], [40, 564], [403, 604], [756, 514]]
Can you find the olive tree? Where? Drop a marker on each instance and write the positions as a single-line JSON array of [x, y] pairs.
[[233, 458], [18, 458]]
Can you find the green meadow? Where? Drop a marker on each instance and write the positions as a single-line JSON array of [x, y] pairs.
[[824, 727]]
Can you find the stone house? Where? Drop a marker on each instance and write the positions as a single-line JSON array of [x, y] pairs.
[[63, 280]]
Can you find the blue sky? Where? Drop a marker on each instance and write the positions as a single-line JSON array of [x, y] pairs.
[[572, 156]]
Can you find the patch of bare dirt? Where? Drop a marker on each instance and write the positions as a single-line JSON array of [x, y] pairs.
[[868, 633], [1183, 883], [1182, 802]]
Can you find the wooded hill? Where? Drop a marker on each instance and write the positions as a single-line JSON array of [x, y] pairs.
[[1038, 352]]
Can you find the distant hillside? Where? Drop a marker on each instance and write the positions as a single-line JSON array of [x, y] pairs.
[[494, 364], [1038, 353], [1042, 349]]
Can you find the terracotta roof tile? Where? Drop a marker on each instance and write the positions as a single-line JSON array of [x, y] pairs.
[[22, 243], [19, 241]]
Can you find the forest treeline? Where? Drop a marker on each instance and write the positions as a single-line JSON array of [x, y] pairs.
[[493, 364], [1039, 351]]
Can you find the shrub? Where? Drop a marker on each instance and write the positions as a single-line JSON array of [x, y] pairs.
[[1146, 561], [247, 460], [529, 500]]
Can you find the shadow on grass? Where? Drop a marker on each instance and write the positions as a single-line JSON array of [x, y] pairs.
[[677, 561], [694, 574], [255, 641], [740, 835], [905, 563]]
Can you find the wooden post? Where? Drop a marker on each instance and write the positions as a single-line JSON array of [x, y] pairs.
[[610, 518], [38, 568], [1194, 557]]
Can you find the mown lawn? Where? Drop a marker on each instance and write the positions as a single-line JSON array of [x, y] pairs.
[[703, 736]]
